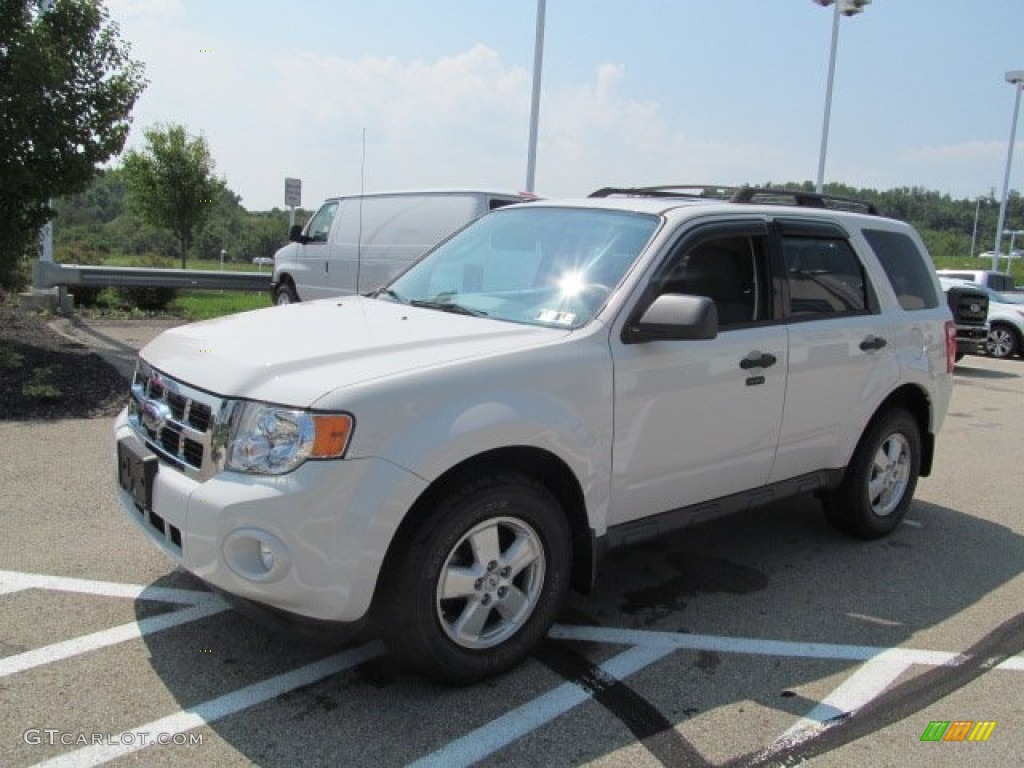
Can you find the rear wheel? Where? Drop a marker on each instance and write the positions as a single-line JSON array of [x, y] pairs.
[[1002, 341], [477, 586], [880, 481]]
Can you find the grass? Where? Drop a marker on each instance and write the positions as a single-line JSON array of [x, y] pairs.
[[204, 305], [10, 359], [39, 387]]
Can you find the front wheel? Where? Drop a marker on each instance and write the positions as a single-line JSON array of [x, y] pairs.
[[1002, 342], [285, 294], [474, 590], [880, 480]]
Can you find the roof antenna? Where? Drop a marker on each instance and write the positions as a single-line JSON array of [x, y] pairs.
[[362, 190]]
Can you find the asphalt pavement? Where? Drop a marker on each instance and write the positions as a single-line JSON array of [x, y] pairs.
[[762, 639], [116, 340]]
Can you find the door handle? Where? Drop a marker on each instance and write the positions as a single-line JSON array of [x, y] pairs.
[[757, 359], [873, 342]]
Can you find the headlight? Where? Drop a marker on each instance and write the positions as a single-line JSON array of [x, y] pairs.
[[270, 440]]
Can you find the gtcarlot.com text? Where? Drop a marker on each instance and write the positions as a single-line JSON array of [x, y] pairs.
[[54, 736]]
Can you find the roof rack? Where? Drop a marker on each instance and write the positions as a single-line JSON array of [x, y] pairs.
[[750, 195], [704, 191], [778, 196]]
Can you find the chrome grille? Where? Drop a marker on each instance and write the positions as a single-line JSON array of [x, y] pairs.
[[178, 422]]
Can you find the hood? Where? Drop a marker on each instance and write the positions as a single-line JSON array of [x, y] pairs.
[[295, 354]]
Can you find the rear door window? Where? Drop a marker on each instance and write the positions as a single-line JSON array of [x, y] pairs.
[[824, 277]]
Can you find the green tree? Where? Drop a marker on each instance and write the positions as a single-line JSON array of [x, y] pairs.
[[67, 88], [171, 182]]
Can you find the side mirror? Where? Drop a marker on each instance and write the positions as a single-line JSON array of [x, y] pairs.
[[674, 317], [295, 234]]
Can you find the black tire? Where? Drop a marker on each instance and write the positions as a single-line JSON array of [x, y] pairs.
[[499, 547], [880, 480], [285, 294], [1002, 342]]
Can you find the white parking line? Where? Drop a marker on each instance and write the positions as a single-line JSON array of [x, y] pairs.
[[880, 667], [14, 581], [857, 690], [501, 732], [9, 665], [747, 645], [215, 709], [1014, 663]]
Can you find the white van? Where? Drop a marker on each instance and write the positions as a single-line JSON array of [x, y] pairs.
[[356, 243]]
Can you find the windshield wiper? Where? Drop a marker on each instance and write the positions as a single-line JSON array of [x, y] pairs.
[[447, 306], [387, 292]]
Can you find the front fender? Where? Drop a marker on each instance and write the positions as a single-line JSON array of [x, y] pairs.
[[557, 398]]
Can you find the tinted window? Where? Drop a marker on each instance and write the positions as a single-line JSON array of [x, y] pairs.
[[1001, 282], [824, 277], [727, 269], [906, 267]]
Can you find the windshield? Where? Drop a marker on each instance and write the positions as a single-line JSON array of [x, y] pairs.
[[535, 265]]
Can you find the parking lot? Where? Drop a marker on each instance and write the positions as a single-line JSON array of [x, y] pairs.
[[764, 639]]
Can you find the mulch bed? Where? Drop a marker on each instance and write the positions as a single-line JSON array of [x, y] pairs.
[[44, 375]]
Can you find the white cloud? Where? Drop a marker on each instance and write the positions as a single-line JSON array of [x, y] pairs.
[[456, 120], [152, 9]]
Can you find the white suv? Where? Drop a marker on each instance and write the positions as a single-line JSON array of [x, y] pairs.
[[445, 458]]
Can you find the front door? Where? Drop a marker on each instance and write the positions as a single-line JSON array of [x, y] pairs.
[[312, 279], [697, 420]]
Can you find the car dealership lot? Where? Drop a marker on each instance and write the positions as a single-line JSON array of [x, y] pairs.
[[726, 644]]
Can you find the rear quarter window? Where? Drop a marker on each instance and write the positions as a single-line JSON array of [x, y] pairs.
[[908, 269], [1001, 283]]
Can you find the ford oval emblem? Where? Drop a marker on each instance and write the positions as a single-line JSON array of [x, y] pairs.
[[975, 308], [154, 415]]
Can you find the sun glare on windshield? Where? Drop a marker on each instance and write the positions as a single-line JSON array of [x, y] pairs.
[[572, 284]]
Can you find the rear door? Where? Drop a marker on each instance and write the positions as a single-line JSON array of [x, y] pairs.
[[697, 420], [842, 352]]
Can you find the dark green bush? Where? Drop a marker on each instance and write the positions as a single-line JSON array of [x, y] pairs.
[[147, 299]]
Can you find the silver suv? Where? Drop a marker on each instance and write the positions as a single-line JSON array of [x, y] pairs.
[[447, 456]]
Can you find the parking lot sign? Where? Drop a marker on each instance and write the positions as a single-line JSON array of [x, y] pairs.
[[293, 192]]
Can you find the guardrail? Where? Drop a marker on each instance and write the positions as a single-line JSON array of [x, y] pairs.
[[47, 274]]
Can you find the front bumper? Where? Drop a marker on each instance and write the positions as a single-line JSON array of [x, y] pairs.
[[309, 543]]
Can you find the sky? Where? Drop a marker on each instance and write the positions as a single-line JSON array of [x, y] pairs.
[[376, 95]]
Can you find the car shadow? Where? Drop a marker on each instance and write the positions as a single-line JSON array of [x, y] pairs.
[[982, 373], [777, 573]]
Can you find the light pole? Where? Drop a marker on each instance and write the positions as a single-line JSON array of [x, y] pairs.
[[538, 61], [1015, 78], [46, 231], [1013, 237], [847, 8], [974, 232]]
